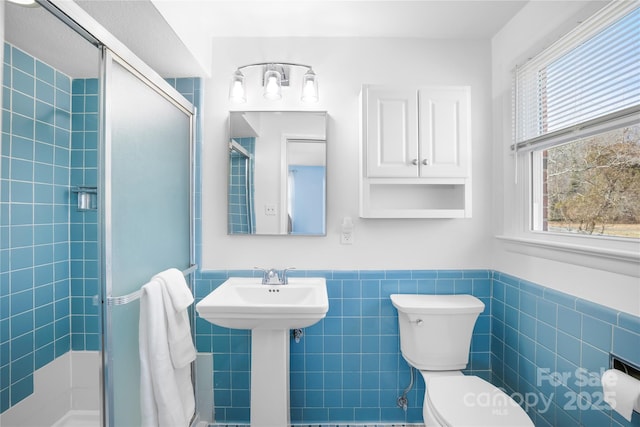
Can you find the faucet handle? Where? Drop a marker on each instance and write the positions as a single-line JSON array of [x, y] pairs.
[[265, 274], [284, 278], [263, 270]]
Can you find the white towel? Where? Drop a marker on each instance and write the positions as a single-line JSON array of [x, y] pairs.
[[177, 297], [166, 393], [174, 280]]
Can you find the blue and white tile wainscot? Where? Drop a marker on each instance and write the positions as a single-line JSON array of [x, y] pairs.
[[348, 370]]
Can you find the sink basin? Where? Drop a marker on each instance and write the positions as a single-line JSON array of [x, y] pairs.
[[245, 303], [270, 311]]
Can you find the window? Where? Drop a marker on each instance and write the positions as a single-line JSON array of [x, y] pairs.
[[577, 120], [590, 186]]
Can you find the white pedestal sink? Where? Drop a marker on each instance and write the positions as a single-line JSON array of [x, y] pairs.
[[270, 311]]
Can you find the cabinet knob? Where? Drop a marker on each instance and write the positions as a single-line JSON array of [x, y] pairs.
[[425, 162], [414, 162]]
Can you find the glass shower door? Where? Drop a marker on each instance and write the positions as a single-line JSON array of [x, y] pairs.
[[146, 187]]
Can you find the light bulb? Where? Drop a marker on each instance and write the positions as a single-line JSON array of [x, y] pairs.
[[236, 91], [309, 87], [272, 86]]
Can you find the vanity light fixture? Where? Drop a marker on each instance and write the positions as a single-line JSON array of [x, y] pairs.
[[275, 76]]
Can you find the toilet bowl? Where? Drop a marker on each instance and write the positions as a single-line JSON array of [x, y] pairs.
[[469, 401], [435, 338]]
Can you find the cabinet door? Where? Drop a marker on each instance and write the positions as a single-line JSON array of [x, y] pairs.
[[391, 126], [444, 131]]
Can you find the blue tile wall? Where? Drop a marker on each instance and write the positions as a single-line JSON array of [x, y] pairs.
[[49, 255], [347, 367], [84, 263], [35, 320], [241, 215], [550, 349]]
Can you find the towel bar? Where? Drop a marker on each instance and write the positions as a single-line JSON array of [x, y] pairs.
[[125, 299]]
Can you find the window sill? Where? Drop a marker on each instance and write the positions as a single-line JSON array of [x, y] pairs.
[[619, 261]]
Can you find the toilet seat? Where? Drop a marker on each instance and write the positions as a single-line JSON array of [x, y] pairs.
[[471, 401]]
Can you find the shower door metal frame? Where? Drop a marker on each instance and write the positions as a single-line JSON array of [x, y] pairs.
[[108, 58], [113, 50]]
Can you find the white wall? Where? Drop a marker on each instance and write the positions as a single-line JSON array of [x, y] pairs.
[[267, 178], [342, 66], [270, 166], [535, 27]]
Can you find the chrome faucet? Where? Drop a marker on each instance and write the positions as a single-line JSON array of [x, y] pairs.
[[272, 277]]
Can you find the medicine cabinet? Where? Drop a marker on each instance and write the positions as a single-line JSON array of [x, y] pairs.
[[277, 173], [415, 159]]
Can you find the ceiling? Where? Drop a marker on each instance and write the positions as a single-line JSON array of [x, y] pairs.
[[31, 29], [341, 18], [173, 36]]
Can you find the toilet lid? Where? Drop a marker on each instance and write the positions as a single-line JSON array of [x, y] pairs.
[[472, 401]]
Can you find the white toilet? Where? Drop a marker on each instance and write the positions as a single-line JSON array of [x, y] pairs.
[[435, 337]]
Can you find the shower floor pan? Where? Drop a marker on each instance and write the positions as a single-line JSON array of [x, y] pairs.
[[79, 419]]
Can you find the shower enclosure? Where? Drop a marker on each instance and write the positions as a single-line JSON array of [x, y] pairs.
[[96, 197]]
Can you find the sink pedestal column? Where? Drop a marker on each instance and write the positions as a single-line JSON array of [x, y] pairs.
[[270, 377]]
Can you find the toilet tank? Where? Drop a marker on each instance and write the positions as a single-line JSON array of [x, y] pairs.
[[435, 330]]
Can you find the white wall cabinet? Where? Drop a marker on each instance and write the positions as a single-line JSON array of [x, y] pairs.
[[391, 129], [415, 152]]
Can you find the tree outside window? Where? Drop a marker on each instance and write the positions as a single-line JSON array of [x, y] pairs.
[[592, 185]]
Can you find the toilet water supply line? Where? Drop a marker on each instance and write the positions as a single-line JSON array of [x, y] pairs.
[[402, 401]]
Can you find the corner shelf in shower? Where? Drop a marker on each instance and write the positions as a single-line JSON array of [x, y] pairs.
[[87, 198]]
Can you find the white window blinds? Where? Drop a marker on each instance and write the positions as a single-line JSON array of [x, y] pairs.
[[583, 83]]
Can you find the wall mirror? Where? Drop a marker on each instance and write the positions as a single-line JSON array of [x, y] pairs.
[[277, 173]]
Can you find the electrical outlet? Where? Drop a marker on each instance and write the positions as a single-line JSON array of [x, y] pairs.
[[270, 210], [346, 235], [347, 238]]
